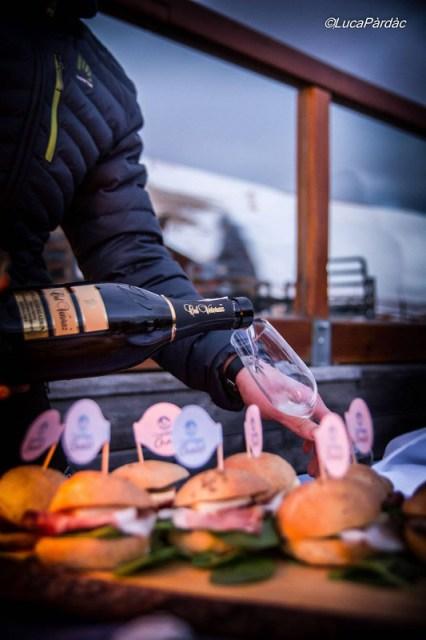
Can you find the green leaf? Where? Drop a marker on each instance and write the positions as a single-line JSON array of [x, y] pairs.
[[268, 538], [106, 532], [155, 557], [385, 571], [210, 559], [164, 525], [244, 570]]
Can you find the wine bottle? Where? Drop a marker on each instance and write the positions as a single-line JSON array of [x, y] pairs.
[[78, 330]]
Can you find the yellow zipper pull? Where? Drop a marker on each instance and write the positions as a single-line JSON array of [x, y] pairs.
[[53, 135]]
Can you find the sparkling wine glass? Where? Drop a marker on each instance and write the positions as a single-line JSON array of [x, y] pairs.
[[279, 372]]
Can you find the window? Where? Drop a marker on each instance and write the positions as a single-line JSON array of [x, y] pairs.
[[378, 209]]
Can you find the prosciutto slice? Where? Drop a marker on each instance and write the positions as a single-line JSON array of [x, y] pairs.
[[53, 524], [248, 519]]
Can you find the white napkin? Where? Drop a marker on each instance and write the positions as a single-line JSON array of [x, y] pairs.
[[404, 461]]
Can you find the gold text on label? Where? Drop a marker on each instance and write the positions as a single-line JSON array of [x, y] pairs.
[[62, 311], [207, 309], [33, 316]]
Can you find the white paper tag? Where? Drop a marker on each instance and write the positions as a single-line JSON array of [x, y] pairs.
[[332, 445], [41, 434], [360, 425], [154, 428], [253, 431], [195, 436], [86, 431]]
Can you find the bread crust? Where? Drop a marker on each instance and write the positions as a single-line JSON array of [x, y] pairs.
[[27, 487], [416, 504], [328, 552], [215, 484], [371, 479], [14, 540], [414, 509], [152, 474], [96, 489], [192, 542], [415, 540], [90, 554], [277, 472], [326, 507]]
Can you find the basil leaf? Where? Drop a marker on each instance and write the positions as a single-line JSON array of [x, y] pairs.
[[267, 539], [164, 525], [210, 559], [106, 532], [385, 571], [244, 570], [151, 559]]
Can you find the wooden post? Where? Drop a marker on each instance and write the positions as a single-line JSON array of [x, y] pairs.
[[312, 202]]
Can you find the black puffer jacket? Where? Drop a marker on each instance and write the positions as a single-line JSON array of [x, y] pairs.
[[69, 156]]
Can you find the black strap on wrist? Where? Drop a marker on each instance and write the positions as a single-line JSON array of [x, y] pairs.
[[230, 374]]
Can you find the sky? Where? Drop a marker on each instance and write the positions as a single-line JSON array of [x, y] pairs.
[[205, 113], [394, 59]]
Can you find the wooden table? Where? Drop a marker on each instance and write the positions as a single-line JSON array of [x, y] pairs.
[[298, 602]]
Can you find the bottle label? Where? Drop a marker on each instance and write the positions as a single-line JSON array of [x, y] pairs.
[[33, 316], [92, 308], [62, 311], [204, 309]]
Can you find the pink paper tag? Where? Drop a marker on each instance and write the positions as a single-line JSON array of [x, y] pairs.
[[154, 428], [332, 445], [86, 431], [195, 436], [42, 433], [360, 425], [253, 431]]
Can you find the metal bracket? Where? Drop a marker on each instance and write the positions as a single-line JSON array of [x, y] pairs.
[[321, 343]]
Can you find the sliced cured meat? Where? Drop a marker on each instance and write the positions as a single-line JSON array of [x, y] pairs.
[[248, 519], [56, 523]]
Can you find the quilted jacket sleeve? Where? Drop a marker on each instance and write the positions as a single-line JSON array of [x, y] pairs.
[[116, 237]]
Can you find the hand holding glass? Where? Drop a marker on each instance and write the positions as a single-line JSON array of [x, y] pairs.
[[281, 375]]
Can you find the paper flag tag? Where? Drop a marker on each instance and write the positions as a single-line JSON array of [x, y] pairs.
[[195, 436], [154, 428], [332, 445], [253, 431], [85, 432], [360, 425], [42, 433]]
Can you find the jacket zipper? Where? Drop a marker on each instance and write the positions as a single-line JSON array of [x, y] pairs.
[[53, 135]]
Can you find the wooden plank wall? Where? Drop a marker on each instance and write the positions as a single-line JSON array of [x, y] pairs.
[[393, 393]]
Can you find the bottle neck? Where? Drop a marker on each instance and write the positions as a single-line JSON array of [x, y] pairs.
[[206, 315]]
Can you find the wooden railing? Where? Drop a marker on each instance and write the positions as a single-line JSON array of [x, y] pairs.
[[319, 85]]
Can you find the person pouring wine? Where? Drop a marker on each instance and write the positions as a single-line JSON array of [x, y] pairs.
[[70, 151]]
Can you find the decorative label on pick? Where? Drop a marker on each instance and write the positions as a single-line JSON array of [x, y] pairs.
[[332, 445], [42, 434], [154, 428], [195, 436], [253, 431], [360, 426], [86, 431]]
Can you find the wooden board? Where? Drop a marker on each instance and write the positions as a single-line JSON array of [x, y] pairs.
[[299, 598]]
